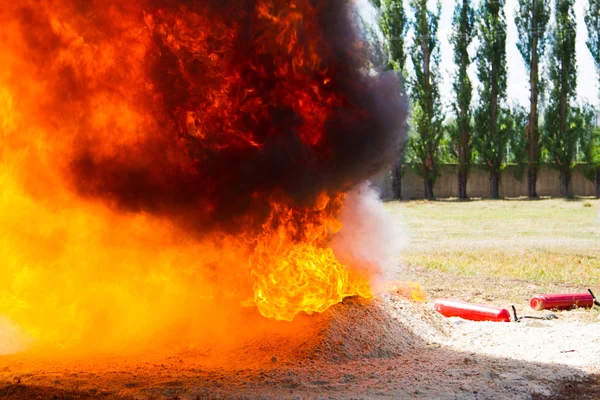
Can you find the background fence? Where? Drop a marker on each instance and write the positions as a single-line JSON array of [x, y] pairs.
[[479, 183]]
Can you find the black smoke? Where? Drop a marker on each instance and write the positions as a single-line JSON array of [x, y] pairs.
[[213, 178]]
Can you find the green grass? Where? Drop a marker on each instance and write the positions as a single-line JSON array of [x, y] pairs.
[[546, 241]]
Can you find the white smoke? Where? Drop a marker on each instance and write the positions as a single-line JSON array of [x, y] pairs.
[[371, 237]]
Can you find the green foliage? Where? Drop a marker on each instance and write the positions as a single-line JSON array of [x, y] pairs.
[[451, 144], [462, 37], [492, 148], [447, 149], [394, 25], [590, 142], [592, 21], [532, 23], [491, 54], [423, 154], [426, 116], [562, 146], [518, 140], [484, 134], [532, 18], [563, 121], [563, 65], [491, 119]]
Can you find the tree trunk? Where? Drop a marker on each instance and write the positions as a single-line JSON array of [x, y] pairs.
[[532, 182], [598, 182], [428, 109], [494, 177], [565, 179], [494, 184], [397, 180], [463, 162], [565, 175], [462, 182], [532, 127], [428, 187]]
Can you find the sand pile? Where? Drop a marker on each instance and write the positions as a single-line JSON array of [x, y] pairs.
[[387, 326], [383, 327]]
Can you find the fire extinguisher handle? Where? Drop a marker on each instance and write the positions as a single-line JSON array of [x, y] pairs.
[[514, 310]]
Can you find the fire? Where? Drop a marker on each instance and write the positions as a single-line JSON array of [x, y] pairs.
[[292, 275], [411, 290], [162, 159]]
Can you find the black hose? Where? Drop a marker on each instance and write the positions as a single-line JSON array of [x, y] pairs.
[[546, 317], [596, 302]]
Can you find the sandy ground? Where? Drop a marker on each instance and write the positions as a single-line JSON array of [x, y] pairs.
[[388, 347]]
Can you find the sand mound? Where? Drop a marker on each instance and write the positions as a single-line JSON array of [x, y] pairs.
[[357, 329], [387, 326]]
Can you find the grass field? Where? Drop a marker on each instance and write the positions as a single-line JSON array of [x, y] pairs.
[[545, 243]]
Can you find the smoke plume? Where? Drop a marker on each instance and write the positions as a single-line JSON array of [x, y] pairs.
[[270, 98]]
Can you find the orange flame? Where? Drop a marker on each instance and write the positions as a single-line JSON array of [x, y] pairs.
[[291, 276]]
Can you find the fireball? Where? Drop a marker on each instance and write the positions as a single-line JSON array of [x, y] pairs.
[[167, 164]]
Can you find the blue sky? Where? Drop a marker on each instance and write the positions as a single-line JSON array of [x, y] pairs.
[[518, 86]]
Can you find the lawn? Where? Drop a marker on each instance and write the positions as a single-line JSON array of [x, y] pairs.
[[545, 242]]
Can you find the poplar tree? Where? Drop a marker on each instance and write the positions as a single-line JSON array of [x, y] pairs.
[[592, 22], [424, 91], [464, 32], [563, 128], [592, 142], [532, 19], [394, 26], [491, 139]]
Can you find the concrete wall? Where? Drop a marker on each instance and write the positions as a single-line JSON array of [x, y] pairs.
[[479, 183]]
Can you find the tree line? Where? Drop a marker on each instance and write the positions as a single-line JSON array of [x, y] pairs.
[[490, 132]]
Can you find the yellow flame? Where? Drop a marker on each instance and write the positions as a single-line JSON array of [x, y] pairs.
[[292, 270], [302, 278], [410, 290]]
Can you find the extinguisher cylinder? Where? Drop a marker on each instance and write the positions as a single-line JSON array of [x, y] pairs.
[[561, 301], [470, 311]]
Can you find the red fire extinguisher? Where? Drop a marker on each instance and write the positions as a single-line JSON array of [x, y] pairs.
[[563, 301], [470, 311]]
